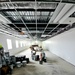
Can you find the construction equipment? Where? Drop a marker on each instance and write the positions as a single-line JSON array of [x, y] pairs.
[[4, 67]]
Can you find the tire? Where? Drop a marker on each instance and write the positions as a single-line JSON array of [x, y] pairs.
[[27, 59], [40, 62], [2, 72]]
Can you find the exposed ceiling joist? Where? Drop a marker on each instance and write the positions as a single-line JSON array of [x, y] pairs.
[[27, 9], [25, 4], [54, 15], [37, 16]]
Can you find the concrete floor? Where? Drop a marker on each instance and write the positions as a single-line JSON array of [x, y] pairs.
[[54, 66]]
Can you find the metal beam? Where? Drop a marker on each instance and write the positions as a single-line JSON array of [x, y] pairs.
[[21, 19], [24, 15], [30, 4], [29, 23], [49, 22], [29, 9], [36, 16], [53, 29], [43, 28], [15, 26], [39, 25]]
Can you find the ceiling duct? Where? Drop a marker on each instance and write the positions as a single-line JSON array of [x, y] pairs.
[[62, 12], [57, 11], [29, 4], [4, 20], [72, 10]]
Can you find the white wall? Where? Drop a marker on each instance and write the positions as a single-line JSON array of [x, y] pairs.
[[63, 45], [14, 50]]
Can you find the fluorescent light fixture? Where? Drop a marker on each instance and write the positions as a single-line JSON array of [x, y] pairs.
[[45, 35], [23, 29]]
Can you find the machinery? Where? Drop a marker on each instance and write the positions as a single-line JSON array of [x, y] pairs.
[[7, 62], [4, 67]]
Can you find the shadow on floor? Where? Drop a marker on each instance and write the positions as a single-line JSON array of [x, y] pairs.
[[24, 70], [52, 61]]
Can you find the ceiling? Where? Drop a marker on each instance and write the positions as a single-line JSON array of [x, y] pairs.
[[36, 19]]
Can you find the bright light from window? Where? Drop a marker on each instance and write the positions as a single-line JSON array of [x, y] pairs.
[[21, 43], [9, 43], [17, 44], [24, 44]]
